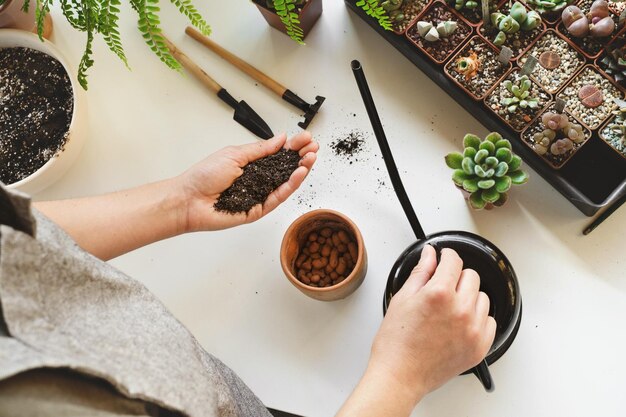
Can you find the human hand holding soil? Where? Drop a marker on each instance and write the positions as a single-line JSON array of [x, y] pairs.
[[436, 327], [203, 184]]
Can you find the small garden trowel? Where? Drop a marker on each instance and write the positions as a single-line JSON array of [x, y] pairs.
[[244, 114]]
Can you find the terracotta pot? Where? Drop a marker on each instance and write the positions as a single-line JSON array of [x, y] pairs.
[[295, 238], [309, 14], [528, 132], [462, 22], [601, 134], [551, 17], [458, 55]]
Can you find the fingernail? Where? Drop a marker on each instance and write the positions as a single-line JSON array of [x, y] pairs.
[[426, 253]]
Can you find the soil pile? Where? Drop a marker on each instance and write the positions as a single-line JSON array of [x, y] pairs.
[[258, 180], [36, 105], [349, 146]]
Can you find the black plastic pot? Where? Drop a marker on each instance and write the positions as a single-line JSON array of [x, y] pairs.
[[497, 280]]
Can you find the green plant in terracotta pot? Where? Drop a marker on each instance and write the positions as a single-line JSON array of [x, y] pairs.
[[100, 17], [486, 170], [517, 19], [292, 17]]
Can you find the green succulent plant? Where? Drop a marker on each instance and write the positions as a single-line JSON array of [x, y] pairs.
[[517, 19], [487, 169], [464, 4], [548, 6], [382, 12], [520, 89]]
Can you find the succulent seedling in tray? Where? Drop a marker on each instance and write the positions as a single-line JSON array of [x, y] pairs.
[[515, 27], [471, 9], [438, 32], [614, 133], [549, 10], [613, 62], [476, 67], [556, 136], [557, 59], [590, 97], [589, 25]]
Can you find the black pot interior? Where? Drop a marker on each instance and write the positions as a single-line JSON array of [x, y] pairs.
[[497, 280]]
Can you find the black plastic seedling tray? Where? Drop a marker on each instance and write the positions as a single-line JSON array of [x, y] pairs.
[[592, 179]]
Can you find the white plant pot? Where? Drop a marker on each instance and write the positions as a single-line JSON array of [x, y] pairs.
[[54, 169]]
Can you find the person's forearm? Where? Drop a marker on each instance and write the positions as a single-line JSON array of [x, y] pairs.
[[378, 394], [113, 224]]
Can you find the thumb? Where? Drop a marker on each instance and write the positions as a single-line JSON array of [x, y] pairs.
[[423, 271]]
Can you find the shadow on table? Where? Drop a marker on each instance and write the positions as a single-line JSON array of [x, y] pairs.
[[277, 413]]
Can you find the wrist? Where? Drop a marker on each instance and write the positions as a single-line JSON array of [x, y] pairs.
[[173, 205], [405, 393]]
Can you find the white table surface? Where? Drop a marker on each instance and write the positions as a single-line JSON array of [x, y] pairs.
[[305, 356]]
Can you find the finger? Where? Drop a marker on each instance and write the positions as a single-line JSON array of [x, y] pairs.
[[449, 270], [282, 193], [482, 306], [308, 160], [489, 334], [310, 147], [422, 271], [468, 287], [299, 141], [253, 151]]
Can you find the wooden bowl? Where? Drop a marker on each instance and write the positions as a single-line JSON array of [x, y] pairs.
[[295, 238]]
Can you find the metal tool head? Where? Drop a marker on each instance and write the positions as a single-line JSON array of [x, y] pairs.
[[310, 110], [310, 114], [248, 118]]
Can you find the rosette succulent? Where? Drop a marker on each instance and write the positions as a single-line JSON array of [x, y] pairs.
[[558, 136], [487, 169], [614, 62], [522, 95], [517, 19]]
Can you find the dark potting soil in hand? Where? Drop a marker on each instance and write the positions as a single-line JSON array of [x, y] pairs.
[[257, 182], [36, 105]]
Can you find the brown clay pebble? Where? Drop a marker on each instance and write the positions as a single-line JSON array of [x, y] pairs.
[[315, 256], [329, 269], [315, 278], [306, 265], [321, 240], [590, 96], [334, 275], [326, 232], [342, 248], [314, 247], [336, 240], [312, 237], [354, 253], [343, 236], [334, 258], [318, 264], [306, 251], [341, 266], [326, 250], [550, 60], [300, 260], [305, 280]]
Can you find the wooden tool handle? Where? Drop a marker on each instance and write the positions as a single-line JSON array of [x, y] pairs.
[[193, 68], [236, 61]]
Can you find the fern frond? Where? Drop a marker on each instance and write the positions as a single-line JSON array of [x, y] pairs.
[[89, 17], [187, 8], [25, 5], [108, 27], [373, 8], [285, 11], [149, 26], [42, 8], [71, 11]]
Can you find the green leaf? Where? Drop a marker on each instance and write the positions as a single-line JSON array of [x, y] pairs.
[[489, 173], [501, 169], [504, 155], [504, 143], [478, 170], [471, 141], [470, 152], [494, 137], [515, 163], [468, 165], [503, 184], [476, 201], [470, 185], [518, 177], [453, 160], [491, 195], [491, 161], [486, 184], [503, 199], [488, 146], [481, 155], [458, 176]]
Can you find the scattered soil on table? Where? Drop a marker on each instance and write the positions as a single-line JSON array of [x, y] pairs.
[[592, 117], [490, 68], [37, 103], [349, 146], [257, 182], [570, 62], [441, 49]]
